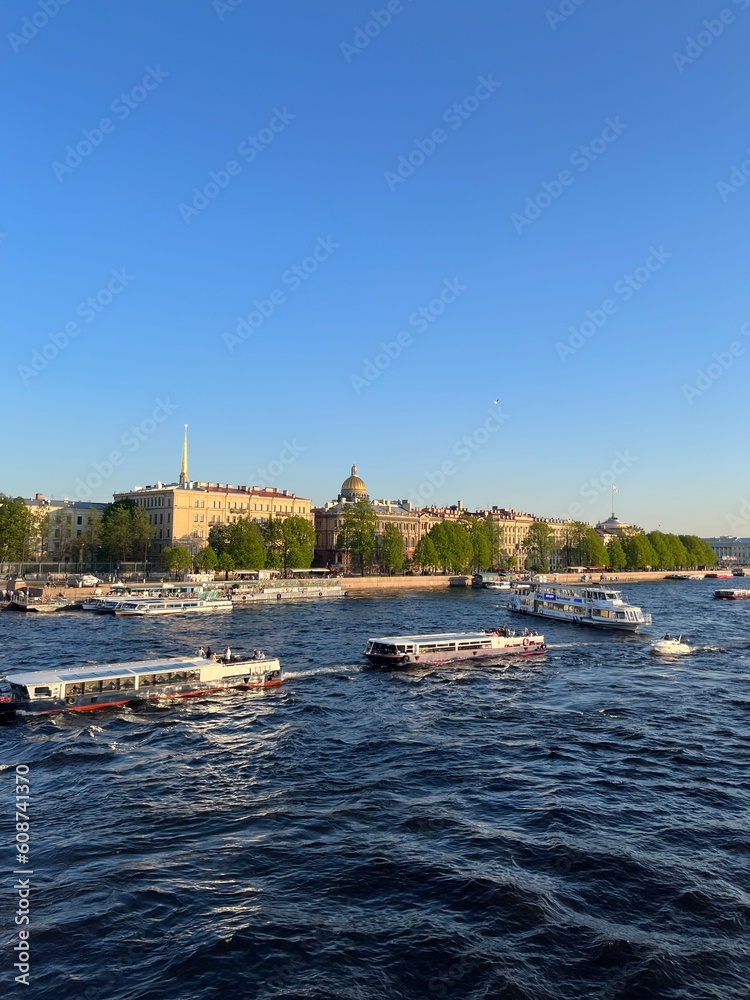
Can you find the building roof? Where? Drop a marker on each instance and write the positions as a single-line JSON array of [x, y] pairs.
[[354, 487]]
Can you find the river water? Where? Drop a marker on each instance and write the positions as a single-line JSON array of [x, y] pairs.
[[571, 826]]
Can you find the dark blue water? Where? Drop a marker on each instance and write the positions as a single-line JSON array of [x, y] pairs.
[[574, 826]]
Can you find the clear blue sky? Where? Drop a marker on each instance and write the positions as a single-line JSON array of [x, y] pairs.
[[316, 123]]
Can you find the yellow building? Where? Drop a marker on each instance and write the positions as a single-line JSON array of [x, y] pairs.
[[412, 522], [183, 513]]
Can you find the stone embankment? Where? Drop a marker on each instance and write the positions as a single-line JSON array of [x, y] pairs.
[[355, 584]]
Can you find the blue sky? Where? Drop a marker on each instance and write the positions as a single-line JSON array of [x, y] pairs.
[[544, 157]]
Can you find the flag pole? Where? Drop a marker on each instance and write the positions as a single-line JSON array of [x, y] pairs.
[[613, 499]]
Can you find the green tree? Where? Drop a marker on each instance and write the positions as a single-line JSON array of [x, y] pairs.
[[539, 545], [453, 546], [273, 541], [219, 538], [125, 530], [297, 542], [357, 535], [425, 554], [391, 550], [176, 559], [206, 560], [17, 530], [699, 553], [595, 549], [246, 545], [484, 542], [574, 544], [639, 552], [225, 564], [616, 554]]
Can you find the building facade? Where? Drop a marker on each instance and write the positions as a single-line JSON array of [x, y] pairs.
[[730, 551], [184, 512], [412, 522], [67, 530]]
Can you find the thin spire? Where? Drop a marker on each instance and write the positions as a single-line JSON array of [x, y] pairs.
[[184, 469]]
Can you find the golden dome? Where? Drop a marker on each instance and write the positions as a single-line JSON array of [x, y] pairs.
[[353, 488]]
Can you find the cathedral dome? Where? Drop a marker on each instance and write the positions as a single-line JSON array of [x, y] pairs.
[[353, 488]]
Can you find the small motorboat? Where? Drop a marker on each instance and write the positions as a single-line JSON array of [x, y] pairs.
[[671, 645]]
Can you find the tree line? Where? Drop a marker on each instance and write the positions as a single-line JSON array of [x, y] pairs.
[[276, 543]]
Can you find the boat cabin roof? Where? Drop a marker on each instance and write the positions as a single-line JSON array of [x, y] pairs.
[[436, 637], [67, 674]]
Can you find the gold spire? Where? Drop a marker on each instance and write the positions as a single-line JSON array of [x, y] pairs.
[[184, 469]]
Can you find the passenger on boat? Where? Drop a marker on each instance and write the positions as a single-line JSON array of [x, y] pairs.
[[209, 653], [258, 654], [227, 655], [201, 652], [214, 657], [667, 635]]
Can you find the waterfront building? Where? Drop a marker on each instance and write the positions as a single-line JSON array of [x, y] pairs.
[[66, 530], [184, 512], [731, 551], [412, 522]]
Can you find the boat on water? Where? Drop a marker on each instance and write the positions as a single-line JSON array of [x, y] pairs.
[[683, 576], [152, 606], [270, 591], [738, 572], [719, 575], [496, 585], [490, 581], [600, 606], [671, 645], [447, 647], [78, 689], [732, 594]]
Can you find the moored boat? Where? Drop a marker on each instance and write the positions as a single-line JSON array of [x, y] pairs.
[[41, 692], [447, 647], [153, 606], [598, 606], [732, 594]]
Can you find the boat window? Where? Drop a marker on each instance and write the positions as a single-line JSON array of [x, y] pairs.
[[73, 690], [147, 680], [127, 683], [161, 678], [92, 687], [19, 689], [111, 684], [193, 675], [42, 692]]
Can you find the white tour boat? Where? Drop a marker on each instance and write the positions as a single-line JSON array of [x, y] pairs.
[[270, 591], [446, 647], [599, 606], [39, 692], [150, 606]]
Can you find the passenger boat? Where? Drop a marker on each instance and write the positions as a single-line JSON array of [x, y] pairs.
[[78, 689], [720, 575], [446, 647], [732, 593], [270, 591], [598, 606], [151, 606], [738, 572]]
